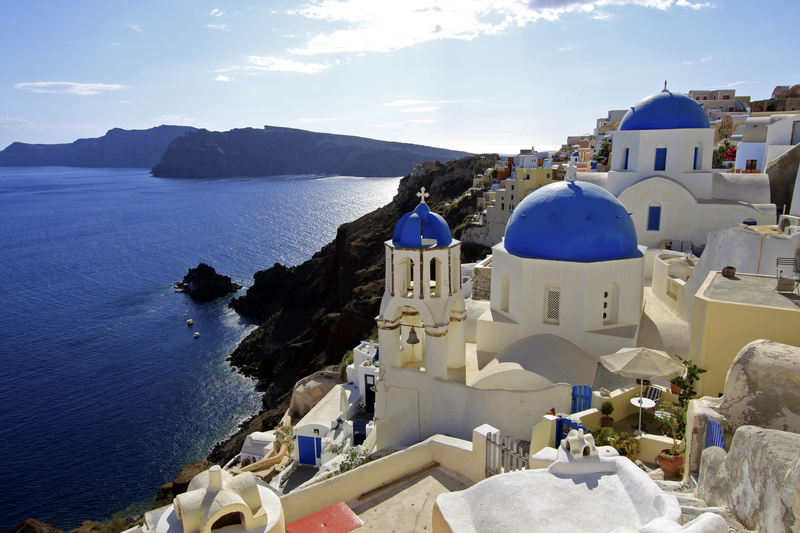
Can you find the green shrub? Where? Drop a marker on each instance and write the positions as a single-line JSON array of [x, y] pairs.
[[607, 408], [625, 445], [602, 436]]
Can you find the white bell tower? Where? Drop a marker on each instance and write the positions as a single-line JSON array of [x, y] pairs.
[[421, 324]]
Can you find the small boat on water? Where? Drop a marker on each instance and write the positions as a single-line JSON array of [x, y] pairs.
[[196, 334], [189, 322]]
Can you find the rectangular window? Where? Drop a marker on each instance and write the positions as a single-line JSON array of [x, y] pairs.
[[696, 153], [726, 97], [502, 206], [730, 109], [661, 159], [553, 303], [627, 154], [512, 196], [654, 218], [752, 164]]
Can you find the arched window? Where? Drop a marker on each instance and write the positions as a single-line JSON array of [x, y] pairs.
[[505, 293], [698, 156], [610, 304], [654, 217], [552, 304], [436, 278], [406, 277], [661, 157]]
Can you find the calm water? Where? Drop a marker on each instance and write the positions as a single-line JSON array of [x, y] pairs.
[[104, 392]]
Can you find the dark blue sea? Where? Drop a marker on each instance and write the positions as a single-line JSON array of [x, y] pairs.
[[104, 392]]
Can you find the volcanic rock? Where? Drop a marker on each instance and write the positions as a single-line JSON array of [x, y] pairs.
[[204, 284]]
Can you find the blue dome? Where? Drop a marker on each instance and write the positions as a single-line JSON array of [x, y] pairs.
[[571, 221], [421, 224], [665, 111]]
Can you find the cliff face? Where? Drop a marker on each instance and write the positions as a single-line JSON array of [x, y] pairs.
[[276, 151], [117, 148], [313, 313]]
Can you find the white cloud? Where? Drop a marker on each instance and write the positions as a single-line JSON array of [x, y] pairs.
[[688, 62], [367, 25], [684, 3], [124, 101], [284, 65], [564, 49], [709, 58], [134, 27], [68, 87], [419, 109], [218, 26], [734, 84], [317, 120], [216, 13], [223, 78]]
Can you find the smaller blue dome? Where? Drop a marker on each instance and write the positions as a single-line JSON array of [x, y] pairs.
[[571, 221], [421, 224], [665, 111]]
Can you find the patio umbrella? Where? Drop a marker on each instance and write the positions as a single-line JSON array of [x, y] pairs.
[[643, 363]]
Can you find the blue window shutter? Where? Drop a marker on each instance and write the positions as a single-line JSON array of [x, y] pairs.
[[696, 151], [654, 218], [627, 153], [661, 159]]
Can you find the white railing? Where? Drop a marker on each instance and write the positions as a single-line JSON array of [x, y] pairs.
[[503, 455]]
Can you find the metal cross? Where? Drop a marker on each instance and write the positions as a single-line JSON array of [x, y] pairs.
[[422, 195]]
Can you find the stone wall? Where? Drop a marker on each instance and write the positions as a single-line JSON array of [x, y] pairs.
[[759, 480]]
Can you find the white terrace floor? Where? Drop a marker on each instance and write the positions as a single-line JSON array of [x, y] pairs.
[[408, 506]]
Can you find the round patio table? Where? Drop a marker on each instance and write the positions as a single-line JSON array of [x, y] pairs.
[[642, 403]]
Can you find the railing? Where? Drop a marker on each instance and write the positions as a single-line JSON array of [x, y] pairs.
[[503, 455]]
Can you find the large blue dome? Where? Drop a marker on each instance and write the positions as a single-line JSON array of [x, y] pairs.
[[665, 111], [421, 224], [571, 221]]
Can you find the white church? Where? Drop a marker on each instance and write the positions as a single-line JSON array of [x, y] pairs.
[[661, 170], [567, 287]]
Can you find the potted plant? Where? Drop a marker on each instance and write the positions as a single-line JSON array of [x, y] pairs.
[[607, 408], [671, 459], [686, 382]]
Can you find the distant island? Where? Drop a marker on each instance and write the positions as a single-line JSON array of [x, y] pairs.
[[274, 151], [118, 148], [186, 152]]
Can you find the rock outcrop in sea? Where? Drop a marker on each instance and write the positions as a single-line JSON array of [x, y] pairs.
[[311, 314], [274, 151], [204, 284]]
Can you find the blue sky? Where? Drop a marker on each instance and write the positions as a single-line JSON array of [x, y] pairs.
[[475, 75]]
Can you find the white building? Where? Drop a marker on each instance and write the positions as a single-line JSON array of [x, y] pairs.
[[661, 171], [765, 139], [567, 287]]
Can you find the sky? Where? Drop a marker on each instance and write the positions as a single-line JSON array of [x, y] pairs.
[[473, 75]]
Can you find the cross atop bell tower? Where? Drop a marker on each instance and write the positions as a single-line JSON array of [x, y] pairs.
[[422, 195]]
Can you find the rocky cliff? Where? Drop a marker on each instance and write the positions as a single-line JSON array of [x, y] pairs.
[[274, 151], [313, 313], [118, 148]]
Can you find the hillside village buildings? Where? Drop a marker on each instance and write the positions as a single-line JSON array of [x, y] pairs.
[[461, 389]]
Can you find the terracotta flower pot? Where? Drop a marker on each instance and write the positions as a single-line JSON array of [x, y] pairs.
[[674, 389], [606, 422], [671, 466]]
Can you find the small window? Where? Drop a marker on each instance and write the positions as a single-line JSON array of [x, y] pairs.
[[726, 97], [696, 162], [661, 159], [502, 206], [730, 109], [654, 218], [752, 164], [512, 196], [627, 155]]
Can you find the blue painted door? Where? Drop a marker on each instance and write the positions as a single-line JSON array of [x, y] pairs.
[[307, 450]]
